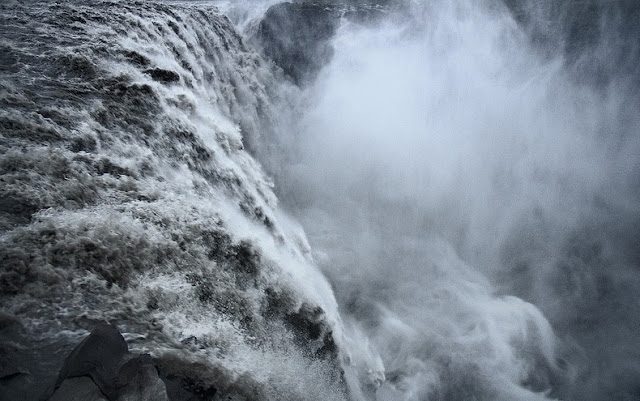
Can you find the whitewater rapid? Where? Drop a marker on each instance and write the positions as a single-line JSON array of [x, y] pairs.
[[128, 197]]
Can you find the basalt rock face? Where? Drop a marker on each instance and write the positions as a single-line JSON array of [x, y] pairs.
[[297, 36], [101, 367], [99, 356], [115, 373]]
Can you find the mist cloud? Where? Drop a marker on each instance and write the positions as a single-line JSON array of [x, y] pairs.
[[471, 192]]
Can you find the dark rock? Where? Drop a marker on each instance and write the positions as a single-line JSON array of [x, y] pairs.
[[13, 376], [9, 59], [184, 388], [138, 380], [13, 387], [84, 144], [164, 76], [297, 37], [102, 368], [186, 381], [17, 270], [78, 389], [98, 356], [9, 327], [16, 206], [137, 58], [8, 322], [17, 378], [106, 166], [77, 66], [312, 331]]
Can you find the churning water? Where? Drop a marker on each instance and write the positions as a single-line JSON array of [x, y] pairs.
[[448, 211]]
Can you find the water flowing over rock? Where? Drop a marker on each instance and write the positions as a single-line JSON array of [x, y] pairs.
[[128, 197], [344, 200]]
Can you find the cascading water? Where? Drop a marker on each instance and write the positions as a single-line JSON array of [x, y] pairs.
[[127, 197], [466, 172]]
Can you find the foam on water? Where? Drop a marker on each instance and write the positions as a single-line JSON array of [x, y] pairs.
[[128, 197]]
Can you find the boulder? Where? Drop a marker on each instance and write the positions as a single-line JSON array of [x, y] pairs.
[[102, 368], [138, 380], [186, 381], [16, 379], [98, 356], [78, 389]]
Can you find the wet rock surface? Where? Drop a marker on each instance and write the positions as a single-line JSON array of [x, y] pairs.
[[78, 389], [17, 380], [164, 76], [297, 36], [98, 356], [101, 367]]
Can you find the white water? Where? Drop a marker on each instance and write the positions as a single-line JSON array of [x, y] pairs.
[[142, 208]]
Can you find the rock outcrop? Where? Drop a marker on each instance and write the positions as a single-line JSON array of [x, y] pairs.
[[101, 368], [297, 36]]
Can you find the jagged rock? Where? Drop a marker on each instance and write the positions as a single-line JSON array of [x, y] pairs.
[[136, 58], [98, 356], [296, 37], [138, 380], [164, 76], [17, 207], [102, 368], [113, 372], [9, 326], [185, 381], [310, 328], [13, 375], [78, 389]]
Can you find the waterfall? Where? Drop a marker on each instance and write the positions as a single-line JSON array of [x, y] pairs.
[[339, 200]]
